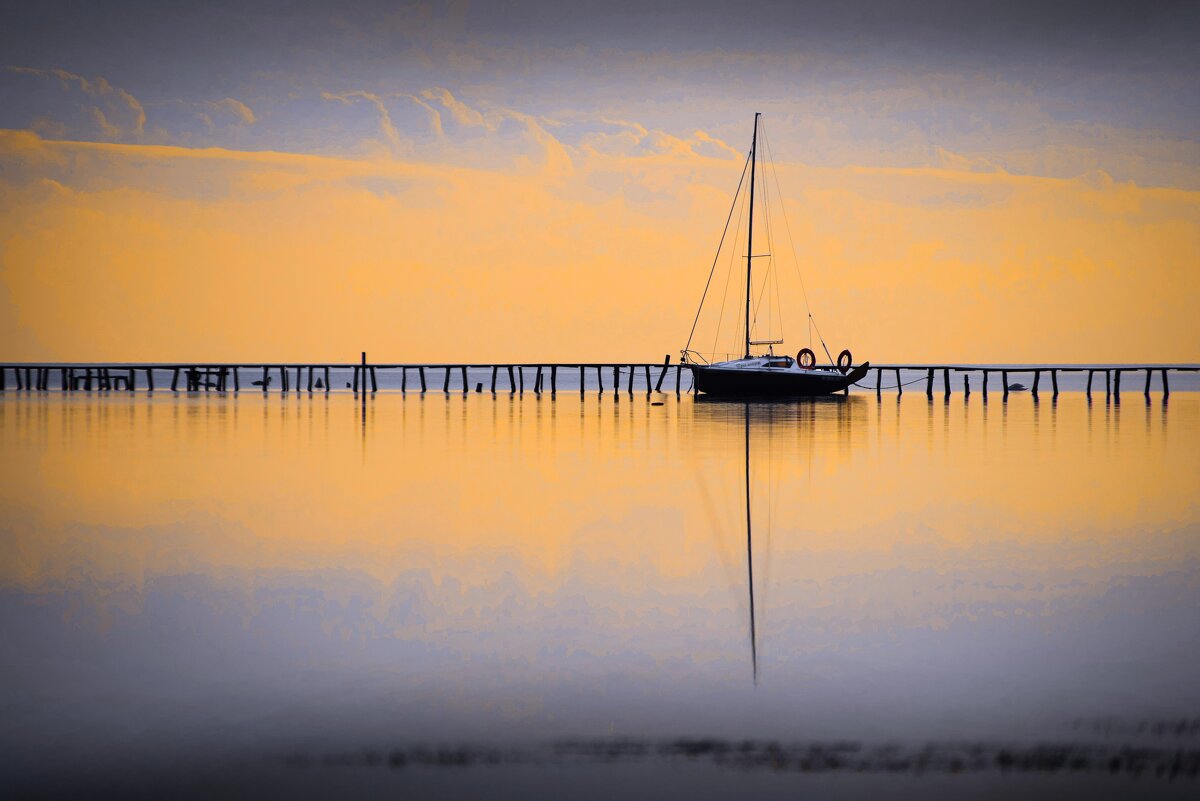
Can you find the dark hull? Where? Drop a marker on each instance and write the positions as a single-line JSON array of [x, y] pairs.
[[728, 382]]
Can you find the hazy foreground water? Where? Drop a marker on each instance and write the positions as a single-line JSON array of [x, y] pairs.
[[468, 595]]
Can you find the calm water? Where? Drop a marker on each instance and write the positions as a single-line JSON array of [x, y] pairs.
[[309, 593]]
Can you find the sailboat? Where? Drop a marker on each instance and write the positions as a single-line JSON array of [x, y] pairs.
[[767, 375]]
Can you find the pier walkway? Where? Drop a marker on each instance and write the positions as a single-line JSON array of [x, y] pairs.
[[541, 377]]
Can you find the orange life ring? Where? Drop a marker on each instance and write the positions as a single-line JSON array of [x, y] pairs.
[[845, 361], [806, 359]]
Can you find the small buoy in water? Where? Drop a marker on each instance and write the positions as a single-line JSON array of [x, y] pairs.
[[320, 384], [656, 403], [1017, 387]]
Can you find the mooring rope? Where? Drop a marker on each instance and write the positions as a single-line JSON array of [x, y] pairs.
[[893, 386]]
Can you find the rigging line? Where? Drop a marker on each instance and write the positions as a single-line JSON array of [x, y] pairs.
[[766, 206], [717, 255], [729, 271], [791, 241], [774, 301], [821, 339]]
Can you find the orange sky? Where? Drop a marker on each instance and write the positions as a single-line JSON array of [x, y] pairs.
[[432, 188], [159, 253]]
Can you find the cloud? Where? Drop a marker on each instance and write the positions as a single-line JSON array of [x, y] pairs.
[[459, 111], [386, 126], [235, 107], [118, 113]]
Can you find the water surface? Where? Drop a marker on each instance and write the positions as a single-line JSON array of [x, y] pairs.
[[212, 584]]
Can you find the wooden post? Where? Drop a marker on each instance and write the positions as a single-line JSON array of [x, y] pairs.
[[879, 382], [1107, 383], [946, 380], [283, 374], [403, 380], [520, 378], [1037, 377], [600, 378], [1089, 384], [356, 372], [899, 386], [985, 382], [1004, 377], [658, 385], [446, 383], [1054, 381], [647, 369], [966, 385], [537, 381], [464, 378], [553, 379], [310, 377], [421, 372], [3, 379], [1117, 385], [326, 379], [298, 369], [512, 385], [616, 378], [65, 380], [17, 373], [374, 380], [629, 385], [1166, 386], [678, 377], [1147, 390], [479, 386], [495, 370], [175, 380], [929, 383]]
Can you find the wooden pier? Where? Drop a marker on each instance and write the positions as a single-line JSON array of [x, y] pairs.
[[362, 376]]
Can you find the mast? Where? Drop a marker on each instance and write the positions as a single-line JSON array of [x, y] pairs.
[[750, 231]]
